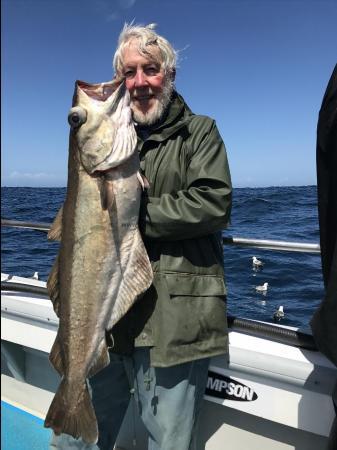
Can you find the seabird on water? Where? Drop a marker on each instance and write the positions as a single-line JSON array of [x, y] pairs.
[[257, 262], [262, 288], [279, 314]]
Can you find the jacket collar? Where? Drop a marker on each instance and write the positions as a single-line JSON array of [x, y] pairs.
[[175, 117]]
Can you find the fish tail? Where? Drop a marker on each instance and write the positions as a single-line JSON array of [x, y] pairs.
[[77, 420]]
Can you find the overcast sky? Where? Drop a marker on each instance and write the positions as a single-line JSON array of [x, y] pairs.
[[259, 68]]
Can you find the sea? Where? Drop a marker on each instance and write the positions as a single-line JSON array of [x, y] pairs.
[[276, 213]]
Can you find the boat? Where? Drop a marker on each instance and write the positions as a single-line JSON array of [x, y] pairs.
[[271, 392]]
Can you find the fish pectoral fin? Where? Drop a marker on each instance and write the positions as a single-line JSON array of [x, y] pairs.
[[55, 356], [55, 232], [78, 420], [53, 286], [137, 278], [107, 194], [102, 361]]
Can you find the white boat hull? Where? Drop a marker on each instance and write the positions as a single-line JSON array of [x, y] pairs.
[[265, 396]]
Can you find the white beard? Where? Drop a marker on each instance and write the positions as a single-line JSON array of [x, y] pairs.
[[157, 110]]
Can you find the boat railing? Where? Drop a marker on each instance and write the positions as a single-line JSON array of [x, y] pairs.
[[268, 244], [260, 329], [265, 244], [256, 328]]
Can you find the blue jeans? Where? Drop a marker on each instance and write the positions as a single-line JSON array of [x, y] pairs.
[[168, 400]]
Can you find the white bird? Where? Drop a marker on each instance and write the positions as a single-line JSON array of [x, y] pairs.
[[262, 288], [279, 314], [35, 276], [257, 262]]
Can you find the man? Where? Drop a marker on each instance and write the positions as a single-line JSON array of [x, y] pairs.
[[160, 350], [323, 322]]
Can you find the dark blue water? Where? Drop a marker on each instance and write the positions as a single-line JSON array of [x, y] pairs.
[[278, 213]]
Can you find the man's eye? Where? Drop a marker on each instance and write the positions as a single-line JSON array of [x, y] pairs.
[[151, 70], [129, 74]]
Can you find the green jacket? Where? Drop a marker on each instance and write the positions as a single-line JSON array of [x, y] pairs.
[[183, 315]]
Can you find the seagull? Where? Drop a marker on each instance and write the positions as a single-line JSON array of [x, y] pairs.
[[279, 314], [262, 288], [257, 262], [35, 276]]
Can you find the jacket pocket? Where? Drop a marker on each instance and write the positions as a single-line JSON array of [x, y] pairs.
[[191, 311], [195, 285]]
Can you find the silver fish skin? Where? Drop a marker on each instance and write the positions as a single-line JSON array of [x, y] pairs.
[[102, 267]]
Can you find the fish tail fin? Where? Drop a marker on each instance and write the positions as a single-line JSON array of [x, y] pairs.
[[77, 420]]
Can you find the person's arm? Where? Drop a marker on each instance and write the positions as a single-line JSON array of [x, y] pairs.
[[204, 206]]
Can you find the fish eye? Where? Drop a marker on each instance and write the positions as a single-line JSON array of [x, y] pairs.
[[77, 116]]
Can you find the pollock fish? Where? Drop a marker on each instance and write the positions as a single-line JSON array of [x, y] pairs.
[[102, 266]]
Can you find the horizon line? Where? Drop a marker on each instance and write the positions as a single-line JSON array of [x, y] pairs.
[[233, 186]]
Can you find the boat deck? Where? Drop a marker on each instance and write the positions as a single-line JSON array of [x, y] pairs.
[[24, 430]]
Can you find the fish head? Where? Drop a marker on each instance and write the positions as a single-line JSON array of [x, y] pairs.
[[101, 125]]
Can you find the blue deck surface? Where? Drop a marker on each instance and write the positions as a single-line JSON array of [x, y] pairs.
[[21, 430]]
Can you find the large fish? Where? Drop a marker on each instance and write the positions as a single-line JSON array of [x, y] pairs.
[[102, 266]]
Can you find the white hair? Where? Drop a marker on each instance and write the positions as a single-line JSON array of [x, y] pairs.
[[146, 37]]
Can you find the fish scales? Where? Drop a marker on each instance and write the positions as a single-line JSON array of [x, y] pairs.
[[102, 267]]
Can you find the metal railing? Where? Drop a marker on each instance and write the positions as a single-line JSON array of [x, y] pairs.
[[265, 244], [37, 226], [264, 330]]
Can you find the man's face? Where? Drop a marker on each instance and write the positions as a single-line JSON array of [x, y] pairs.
[[150, 90]]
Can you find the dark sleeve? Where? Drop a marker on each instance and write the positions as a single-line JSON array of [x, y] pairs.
[[326, 160], [204, 206]]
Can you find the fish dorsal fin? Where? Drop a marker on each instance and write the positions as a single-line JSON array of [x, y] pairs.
[[55, 232]]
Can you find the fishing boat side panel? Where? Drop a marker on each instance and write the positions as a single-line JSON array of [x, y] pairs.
[[267, 394]]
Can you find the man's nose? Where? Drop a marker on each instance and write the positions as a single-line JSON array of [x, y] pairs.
[[140, 78]]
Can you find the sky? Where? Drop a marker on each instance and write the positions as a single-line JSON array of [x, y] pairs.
[[258, 67]]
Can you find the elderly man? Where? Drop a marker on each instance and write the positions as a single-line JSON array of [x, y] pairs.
[[160, 350]]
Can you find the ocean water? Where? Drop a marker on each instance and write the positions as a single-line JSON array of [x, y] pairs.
[[278, 213]]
